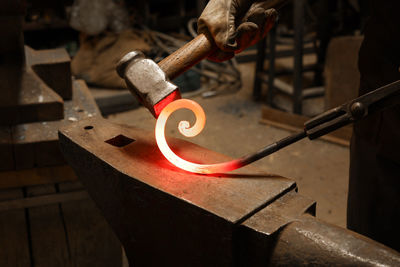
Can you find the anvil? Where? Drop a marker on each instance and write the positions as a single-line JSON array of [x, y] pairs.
[[167, 217]]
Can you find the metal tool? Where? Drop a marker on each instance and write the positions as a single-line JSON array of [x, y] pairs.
[[150, 82], [333, 119]]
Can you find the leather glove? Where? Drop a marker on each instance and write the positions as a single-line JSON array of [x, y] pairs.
[[235, 25]]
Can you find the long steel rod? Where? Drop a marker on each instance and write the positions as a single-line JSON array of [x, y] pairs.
[[272, 148]]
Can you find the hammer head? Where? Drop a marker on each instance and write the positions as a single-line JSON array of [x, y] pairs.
[[147, 81]]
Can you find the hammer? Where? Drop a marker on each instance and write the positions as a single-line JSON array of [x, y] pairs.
[[150, 82]]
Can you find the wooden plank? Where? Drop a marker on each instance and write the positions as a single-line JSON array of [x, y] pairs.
[[91, 240], [295, 122], [48, 238], [14, 241], [43, 200], [36, 176], [152, 205]]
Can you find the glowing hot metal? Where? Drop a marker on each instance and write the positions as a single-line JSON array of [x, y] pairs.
[[186, 130], [322, 124]]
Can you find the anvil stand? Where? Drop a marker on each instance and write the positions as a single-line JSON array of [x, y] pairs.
[[46, 218], [164, 216]]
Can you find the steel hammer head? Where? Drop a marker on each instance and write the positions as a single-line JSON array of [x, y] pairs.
[[147, 81]]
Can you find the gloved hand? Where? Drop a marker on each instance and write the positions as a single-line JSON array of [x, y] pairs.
[[235, 25]]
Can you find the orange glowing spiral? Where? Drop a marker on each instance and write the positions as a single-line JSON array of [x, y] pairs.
[[186, 130]]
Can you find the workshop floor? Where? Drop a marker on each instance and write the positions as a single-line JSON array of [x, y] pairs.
[[319, 168]]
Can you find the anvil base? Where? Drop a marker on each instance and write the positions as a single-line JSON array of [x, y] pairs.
[[168, 217]]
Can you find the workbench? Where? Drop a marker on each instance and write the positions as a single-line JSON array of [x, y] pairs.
[[54, 225]]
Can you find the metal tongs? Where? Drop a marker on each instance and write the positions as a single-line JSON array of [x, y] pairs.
[[333, 119], [354, 110]]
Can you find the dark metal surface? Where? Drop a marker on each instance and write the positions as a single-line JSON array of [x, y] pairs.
[[53, 66], [286, 234], [24, 97], [308, 241], [165, 216], [36, 144], [156, 209]]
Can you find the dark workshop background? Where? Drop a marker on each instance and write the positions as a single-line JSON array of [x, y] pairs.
[[307, 64]]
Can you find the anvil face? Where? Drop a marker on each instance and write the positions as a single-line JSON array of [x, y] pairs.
[[167, 217], [146, 198]]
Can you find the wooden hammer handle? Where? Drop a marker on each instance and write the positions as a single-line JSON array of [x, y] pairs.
[[187, 56], [196, 50]]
